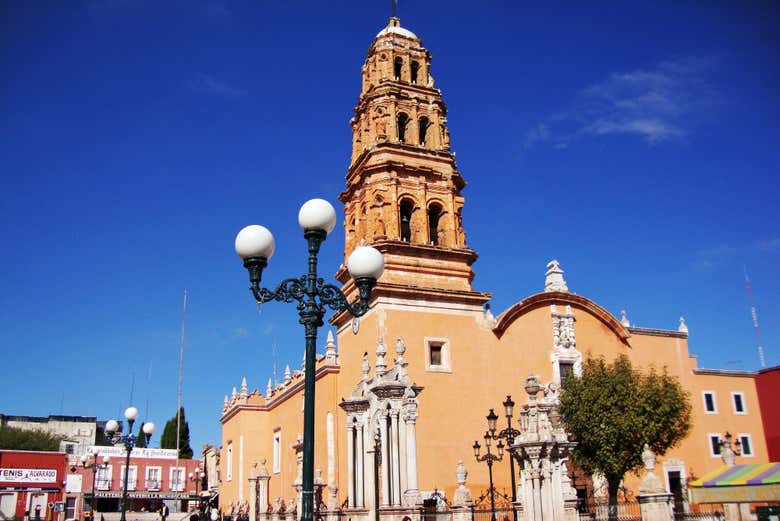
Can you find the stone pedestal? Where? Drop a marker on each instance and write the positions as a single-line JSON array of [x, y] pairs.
[[656, 507]]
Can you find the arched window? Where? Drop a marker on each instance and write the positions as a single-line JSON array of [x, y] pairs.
[[415, 68], [397, 65], [434, 214], [403, 119], [423, 126], [405, 217]]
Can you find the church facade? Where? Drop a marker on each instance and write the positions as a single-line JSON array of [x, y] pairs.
[[403, 392]]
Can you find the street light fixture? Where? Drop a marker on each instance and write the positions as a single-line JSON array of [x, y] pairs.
[[195, 477], [129, 441], [95, 466], [509, 434], [255, 245], [489, 458]]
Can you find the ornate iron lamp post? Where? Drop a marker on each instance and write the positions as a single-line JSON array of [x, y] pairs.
[[195, 477], [509, 434], [255, 245], [490, 458], [129, 441], [95, 466]]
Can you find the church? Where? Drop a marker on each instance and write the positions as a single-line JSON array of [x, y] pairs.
[[403, 392]]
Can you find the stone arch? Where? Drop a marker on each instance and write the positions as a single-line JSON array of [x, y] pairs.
[[558, 297], [402, 123], [407, 207]]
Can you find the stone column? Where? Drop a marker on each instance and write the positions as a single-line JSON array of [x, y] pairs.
[[360, 479], [412, 494], [394, 437], [350, 466], [385, 449], [656, 507], [253, 498], [263, 478]]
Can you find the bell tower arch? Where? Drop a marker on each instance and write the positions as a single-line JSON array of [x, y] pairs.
[[403, 187]]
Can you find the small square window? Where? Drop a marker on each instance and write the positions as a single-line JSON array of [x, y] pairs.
[[709, 402], [70, 448], [566, 370], [436, 354], [715, 444], [745, 445], [739, 403]]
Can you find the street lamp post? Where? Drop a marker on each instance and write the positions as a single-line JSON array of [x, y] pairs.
[[509, 434], [489, 458], [95, 466], [129, 441], [255, 245], [195, 477]]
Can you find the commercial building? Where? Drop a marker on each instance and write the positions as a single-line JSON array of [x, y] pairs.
[[31, 484], [402, 393], [156, 476]]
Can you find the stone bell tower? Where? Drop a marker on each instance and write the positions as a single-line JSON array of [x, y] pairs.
[[403, 193]]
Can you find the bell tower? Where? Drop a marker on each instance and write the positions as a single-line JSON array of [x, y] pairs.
[[403, 193]]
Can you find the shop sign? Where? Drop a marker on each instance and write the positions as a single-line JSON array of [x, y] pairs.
[[143, 495], [120, 452], [28, 475]]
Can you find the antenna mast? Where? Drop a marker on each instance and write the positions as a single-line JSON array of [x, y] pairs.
[[754, 315]]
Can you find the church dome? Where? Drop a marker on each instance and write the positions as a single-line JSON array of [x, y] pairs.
[[394, 27]]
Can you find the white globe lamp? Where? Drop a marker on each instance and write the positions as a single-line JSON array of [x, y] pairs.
[[366, 262], [255, 241], [317, 214], [131, 413]]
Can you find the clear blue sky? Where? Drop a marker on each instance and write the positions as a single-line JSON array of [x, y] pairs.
[[637, 144]]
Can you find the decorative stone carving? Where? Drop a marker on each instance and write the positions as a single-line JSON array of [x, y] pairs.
[[388, 401], [650, 483], [624, 318], [269, 389], [462, 494], [554, 277], [287, 375], [683, 327], [330, 347], [542, 448], [564, 347]]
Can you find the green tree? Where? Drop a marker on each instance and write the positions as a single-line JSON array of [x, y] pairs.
[[613, 410], [12, 438], [141, 439], [168, 439]]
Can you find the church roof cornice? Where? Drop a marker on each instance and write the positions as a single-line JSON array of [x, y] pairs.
[[560, 297]]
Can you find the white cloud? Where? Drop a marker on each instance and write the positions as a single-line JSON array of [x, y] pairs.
[[657, 105]]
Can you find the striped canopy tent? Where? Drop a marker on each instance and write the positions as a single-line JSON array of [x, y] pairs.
[[738, 484]]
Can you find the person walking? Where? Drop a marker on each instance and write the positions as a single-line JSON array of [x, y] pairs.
[[164, 511]]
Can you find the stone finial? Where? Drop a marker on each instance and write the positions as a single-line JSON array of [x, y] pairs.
[[532, 386], [461, 473], [269, 389], [489, 314], [262, 472], [234, 394], [244, 392], [287, 374], [303, 363], [624, 318], [462, 496], [381, 363], [727, 452], [650, 483], [365, 368], [400, 347], [554, 277], [225, 403], [683, 327], [648, 458], [330, 347]]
